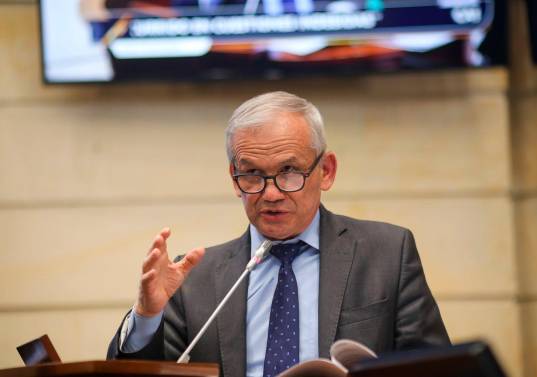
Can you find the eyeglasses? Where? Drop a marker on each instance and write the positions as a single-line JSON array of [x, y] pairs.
[[288, 181]]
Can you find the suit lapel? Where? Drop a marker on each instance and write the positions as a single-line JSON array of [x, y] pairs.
[[231, 322], [336, 255]]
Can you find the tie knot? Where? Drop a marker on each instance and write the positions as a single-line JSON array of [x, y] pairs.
[[287, 252]]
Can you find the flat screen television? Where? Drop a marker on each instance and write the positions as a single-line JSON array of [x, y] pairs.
[[119, 40]]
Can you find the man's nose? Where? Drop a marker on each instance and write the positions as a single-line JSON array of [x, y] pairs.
[[271, 192]]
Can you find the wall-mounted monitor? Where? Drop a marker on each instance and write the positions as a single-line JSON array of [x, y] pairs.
[[118, 40]]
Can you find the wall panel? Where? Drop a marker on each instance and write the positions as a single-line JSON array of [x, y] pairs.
[[494, 321], [523, 101], [112, 151], [47, 247], [421, 145], [529, 324], [73, 256], [137, 150], [524, 141], [526, 211]]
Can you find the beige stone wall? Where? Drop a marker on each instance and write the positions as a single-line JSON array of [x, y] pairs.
[[88, 174], [524, 144]]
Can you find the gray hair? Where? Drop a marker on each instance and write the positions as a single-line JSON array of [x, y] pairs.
[[260, 110]]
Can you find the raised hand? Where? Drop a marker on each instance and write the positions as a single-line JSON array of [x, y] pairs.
[[161, 277]]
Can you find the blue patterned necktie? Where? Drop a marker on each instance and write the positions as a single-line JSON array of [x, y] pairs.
[[283, 335]]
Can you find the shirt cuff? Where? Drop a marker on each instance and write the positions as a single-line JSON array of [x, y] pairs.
[[137, 331]]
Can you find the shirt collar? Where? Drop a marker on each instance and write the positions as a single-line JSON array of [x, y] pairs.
[[310, 235]]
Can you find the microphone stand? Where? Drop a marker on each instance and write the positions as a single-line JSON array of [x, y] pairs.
[[260, 254]]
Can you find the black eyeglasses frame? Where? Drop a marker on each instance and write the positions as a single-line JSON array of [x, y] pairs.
[[305, 174]]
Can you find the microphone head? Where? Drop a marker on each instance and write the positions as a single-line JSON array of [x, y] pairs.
[[259, 255], [263, 250]]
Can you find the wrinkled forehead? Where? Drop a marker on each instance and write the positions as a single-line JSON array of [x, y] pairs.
[[281, 129], [253, 161], [286, 137]]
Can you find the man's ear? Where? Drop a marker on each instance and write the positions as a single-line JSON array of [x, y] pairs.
[[238, 192], [328, 170]]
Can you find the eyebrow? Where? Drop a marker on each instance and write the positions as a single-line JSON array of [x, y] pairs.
[[246, 163]]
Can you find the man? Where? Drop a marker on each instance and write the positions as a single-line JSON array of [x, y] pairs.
[[332, 277]]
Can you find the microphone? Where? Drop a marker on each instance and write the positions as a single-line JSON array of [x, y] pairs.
[[258, 257]]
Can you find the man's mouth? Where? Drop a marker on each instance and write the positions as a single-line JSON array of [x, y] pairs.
[[273, 214]]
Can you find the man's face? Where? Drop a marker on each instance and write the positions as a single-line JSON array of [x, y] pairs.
[[282, 145]]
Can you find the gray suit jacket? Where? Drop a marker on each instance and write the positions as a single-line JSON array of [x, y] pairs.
[[372, 289]]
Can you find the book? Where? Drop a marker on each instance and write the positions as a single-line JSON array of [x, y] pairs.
[[344, 354]]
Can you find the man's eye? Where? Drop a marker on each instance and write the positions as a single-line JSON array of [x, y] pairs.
[[288, 168], [253, 171], [246, 171]]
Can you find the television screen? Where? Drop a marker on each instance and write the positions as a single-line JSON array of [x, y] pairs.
[[117, 40]]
